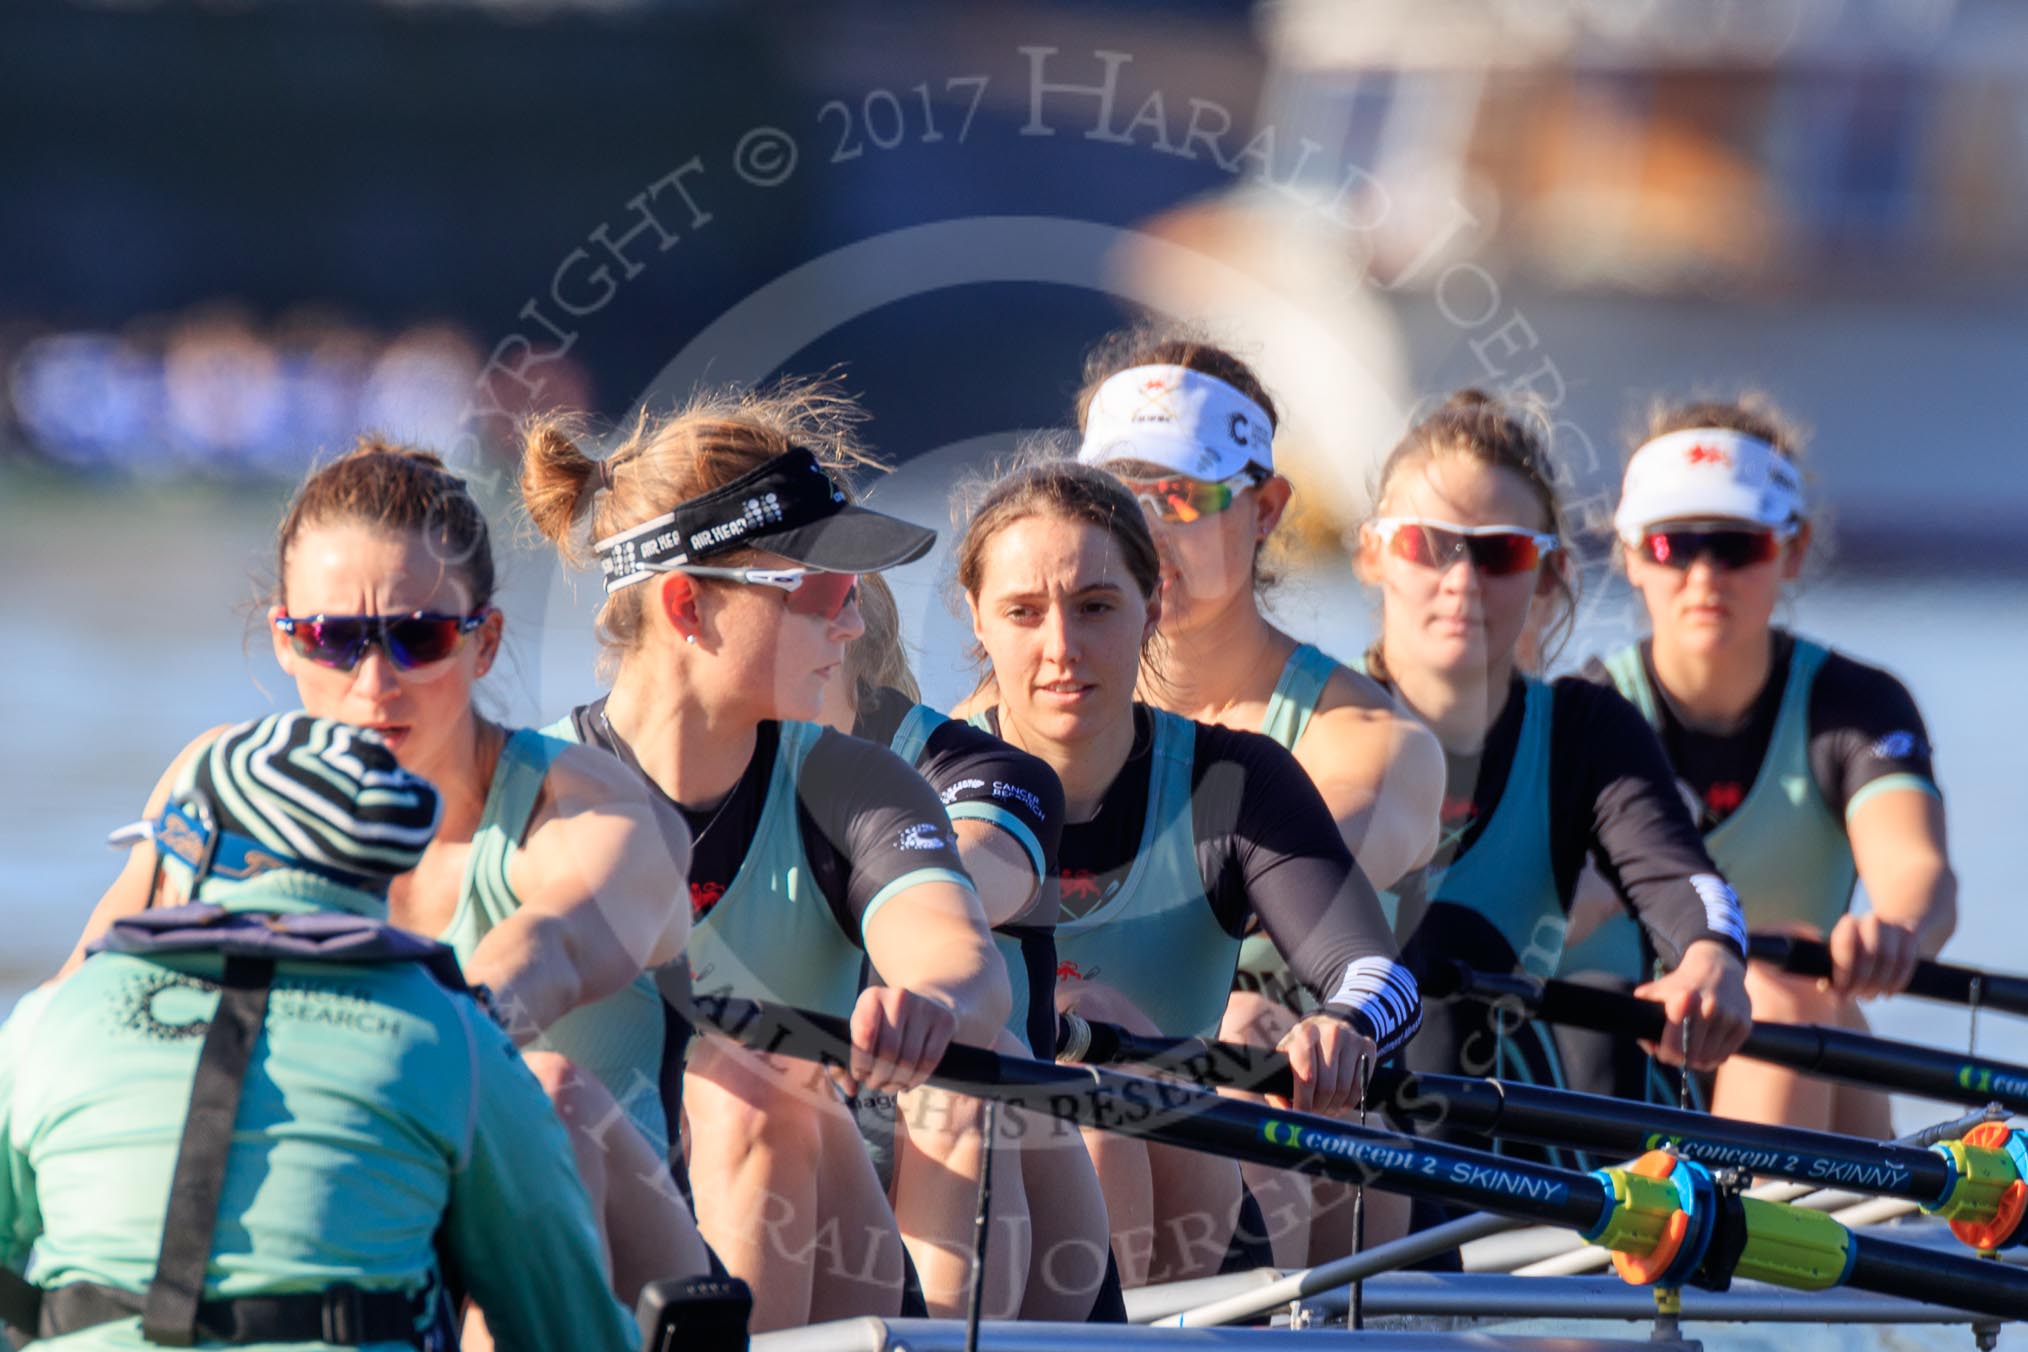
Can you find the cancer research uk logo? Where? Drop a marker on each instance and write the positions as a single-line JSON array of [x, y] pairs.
[[1002, 789], [963, 786]]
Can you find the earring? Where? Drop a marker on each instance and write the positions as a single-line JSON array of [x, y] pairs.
[[690, 638]]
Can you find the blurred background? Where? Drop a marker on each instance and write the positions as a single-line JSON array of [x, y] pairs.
[[235, 233]]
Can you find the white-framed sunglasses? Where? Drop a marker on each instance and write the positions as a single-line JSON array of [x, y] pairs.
[[1496, 551], [811, 591]]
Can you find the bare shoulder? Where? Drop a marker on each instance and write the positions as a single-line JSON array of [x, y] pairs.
[[589, 795], [1359, 722]]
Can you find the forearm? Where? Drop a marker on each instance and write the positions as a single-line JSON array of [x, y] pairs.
[[1920, 893], [537, 974], [977, 992]]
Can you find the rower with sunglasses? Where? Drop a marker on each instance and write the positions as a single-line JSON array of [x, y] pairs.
[[729, 551], [1810, 771], [549, 874], [1540, 775], [1189, 428]]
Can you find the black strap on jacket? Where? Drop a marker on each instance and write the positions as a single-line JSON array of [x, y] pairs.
[[169, 1314], [20, 1303], [344, 1316]]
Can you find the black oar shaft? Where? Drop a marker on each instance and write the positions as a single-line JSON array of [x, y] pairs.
[[1831, 1052], [1183, 1115], [1562, 1117], [1194, 1119], [1942, 981]]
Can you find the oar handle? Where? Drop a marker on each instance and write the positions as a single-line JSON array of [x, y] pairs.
[[1562, 1117], [1835, 1053], [1218, 1064], [1942, 981]]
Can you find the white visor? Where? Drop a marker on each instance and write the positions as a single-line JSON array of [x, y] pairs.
[[1180, 419], [1708, 473]]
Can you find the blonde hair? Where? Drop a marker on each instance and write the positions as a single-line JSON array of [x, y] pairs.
[[665, 459], [877, 658]]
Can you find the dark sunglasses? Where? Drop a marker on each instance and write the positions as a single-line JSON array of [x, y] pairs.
[[1729, 548], [1496, 551], [811, 591], [410, 641]]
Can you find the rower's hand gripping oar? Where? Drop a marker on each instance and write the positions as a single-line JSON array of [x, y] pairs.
[[1664, 1218], [1975, 1183], [1940, 981], [1988, 1197]]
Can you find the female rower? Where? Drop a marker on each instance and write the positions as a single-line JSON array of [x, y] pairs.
[[729, 554], [1809, 770], [1538, 775], [549, 873], [1006, 810], [1189, 428], [1177, 833]]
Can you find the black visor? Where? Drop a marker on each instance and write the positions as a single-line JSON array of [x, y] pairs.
[[790, 506]]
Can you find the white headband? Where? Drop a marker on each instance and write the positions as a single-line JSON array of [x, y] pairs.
[[1178, 418], [1708, 472]]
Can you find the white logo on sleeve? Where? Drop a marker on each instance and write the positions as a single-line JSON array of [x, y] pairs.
[[921, 836], [1896, 746], [950, 795], [1002, 789]]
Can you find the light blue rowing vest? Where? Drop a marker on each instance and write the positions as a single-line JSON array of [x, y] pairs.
[[1289, 710], [908, 742], [618, 1039], [1783, 849], [1297, 691], [1507, 874], [1154, 939]]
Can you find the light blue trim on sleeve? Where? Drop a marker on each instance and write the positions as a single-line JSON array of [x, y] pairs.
[[1905, 780], [912, 879], [1006, 821]]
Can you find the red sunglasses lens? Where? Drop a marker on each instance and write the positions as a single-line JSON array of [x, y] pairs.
[[1499, 555], [1503, 555], [1728, 549], [1414, 544], [823, 594]]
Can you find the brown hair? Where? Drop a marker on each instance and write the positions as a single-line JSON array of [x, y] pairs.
[[877, 658], [1752, 414], [1153, 343], [1473, 424], [1150, 343], [1047, 484], [665, 459], [400, 490]]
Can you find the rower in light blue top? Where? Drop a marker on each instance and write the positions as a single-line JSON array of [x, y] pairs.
[[1215, 508], [555, 874], [730, 551], [1809, 771], [376, 1123]]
